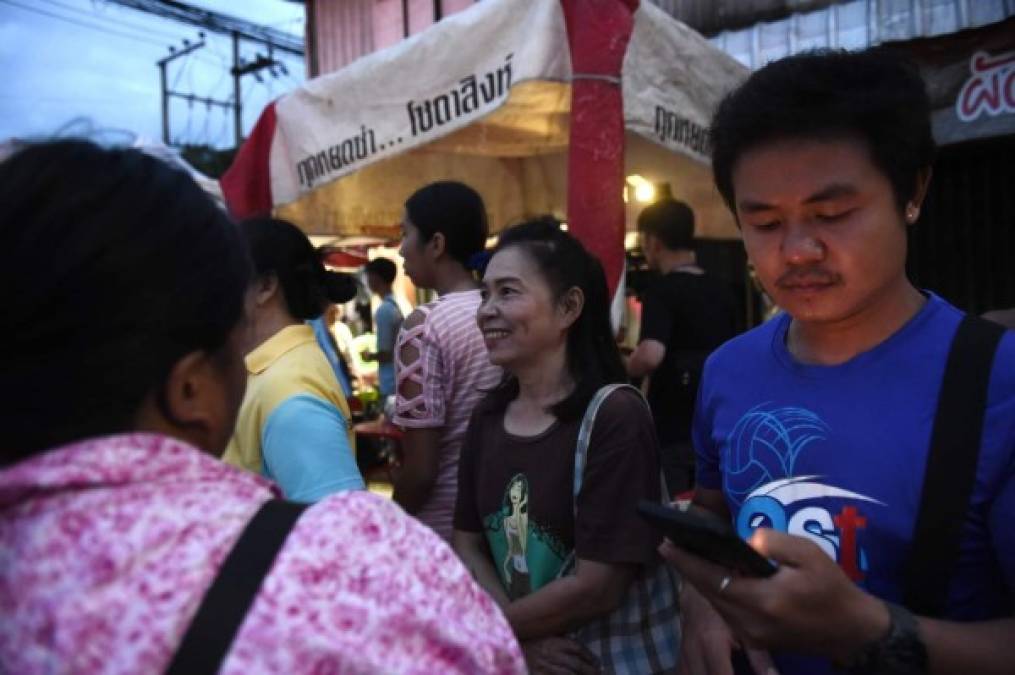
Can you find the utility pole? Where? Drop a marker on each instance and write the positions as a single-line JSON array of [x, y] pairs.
[[168, 94], [163, 64], [237, 102], [241, 68], [223, 24], [165, 102]]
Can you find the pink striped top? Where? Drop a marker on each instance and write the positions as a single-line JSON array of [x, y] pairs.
[[454, 372]]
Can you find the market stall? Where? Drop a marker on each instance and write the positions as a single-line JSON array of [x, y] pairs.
[[543, 106]]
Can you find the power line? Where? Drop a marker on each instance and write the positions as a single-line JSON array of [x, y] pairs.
[[224, 130], [179, 73], [217, 23], [115, 21], [190, 118], [102, 29], [238, 30], [169, 92], [286, 22], [218, 83], [105, 29], [269, 85]]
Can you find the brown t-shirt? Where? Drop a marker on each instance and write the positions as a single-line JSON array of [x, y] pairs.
[[517, 492]]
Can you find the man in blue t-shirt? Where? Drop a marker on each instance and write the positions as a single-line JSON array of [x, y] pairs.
[[380, 273], [812, 431]]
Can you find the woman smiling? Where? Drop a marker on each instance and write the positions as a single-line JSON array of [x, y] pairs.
[[518, 524]]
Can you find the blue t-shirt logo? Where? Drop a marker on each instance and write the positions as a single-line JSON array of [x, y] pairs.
[[760, 459]]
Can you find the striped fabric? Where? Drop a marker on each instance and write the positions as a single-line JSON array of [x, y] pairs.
[[454, 371]]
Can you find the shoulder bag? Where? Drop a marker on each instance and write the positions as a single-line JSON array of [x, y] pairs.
[[642, 635]]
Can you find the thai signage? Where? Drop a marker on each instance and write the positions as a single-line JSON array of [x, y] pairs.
[[354, 152], [990, 89], [464, 69], [672, 82], [971, 80], [423, 89]]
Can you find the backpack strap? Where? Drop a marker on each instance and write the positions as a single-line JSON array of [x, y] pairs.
[[951, 466], [225, 604]]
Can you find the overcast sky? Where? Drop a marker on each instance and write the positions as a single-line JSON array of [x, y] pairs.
[[64, 59]]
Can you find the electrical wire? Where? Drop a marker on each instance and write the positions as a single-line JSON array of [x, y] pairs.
[[224, 129], [219, 23], [116, 22], [205, 135], [179, 71], [102, 29], [119, 28], [190, 119]]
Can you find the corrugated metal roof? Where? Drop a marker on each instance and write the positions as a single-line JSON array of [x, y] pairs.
[[708, 17], [855, 25]]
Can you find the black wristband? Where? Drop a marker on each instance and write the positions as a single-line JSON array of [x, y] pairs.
[[900, 652]]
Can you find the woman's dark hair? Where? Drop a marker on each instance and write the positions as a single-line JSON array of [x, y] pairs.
[[278, 247], [114, 266], [593, 359], [456, 211], [875, 96]]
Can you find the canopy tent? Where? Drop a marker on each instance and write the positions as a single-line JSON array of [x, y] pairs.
[[490, 96]]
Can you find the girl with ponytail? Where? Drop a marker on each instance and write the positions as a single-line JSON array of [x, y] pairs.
[[294, 424]]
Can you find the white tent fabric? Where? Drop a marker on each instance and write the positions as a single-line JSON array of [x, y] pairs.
[[173, 157], [484, 97]]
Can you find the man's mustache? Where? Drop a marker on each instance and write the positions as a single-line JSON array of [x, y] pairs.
[[808, 276]]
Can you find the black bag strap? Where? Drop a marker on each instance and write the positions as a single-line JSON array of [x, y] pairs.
[[225, 605], [951, 465]]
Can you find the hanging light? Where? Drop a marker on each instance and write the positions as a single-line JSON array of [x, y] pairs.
[[644, 190]]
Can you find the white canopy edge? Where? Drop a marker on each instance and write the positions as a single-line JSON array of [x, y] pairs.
[[484, 97]]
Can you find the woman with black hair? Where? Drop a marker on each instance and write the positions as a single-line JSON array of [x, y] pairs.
[[122, 371], [294, 424], [518, 526], [441, 364]]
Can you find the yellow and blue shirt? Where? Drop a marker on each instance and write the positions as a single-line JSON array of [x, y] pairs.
[[293, 425]]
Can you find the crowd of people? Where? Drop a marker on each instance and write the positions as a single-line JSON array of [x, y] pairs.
[[179, 488]]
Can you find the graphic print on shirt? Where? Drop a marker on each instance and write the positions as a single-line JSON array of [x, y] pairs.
[[526, 556], [761, 456]]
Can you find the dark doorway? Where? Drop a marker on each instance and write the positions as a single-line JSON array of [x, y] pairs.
[[963, 246]]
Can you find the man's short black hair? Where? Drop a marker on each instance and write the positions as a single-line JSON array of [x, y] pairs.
[[875, 96], [670, 221], [383, 268]]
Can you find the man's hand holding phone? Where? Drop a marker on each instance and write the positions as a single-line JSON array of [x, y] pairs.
[[809, 605]]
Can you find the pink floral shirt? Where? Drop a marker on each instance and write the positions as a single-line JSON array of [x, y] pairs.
[[107, 547]]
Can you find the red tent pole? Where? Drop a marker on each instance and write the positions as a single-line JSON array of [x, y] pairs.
[[598, 32]]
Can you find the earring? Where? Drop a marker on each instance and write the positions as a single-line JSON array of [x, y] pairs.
[[911, 213]]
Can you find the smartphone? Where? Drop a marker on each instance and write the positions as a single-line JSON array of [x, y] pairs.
[[705, 535]]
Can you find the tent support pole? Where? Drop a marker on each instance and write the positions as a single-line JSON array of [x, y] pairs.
[[598, 32]]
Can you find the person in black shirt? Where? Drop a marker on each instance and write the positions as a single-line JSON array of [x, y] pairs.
[[686, 313]]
